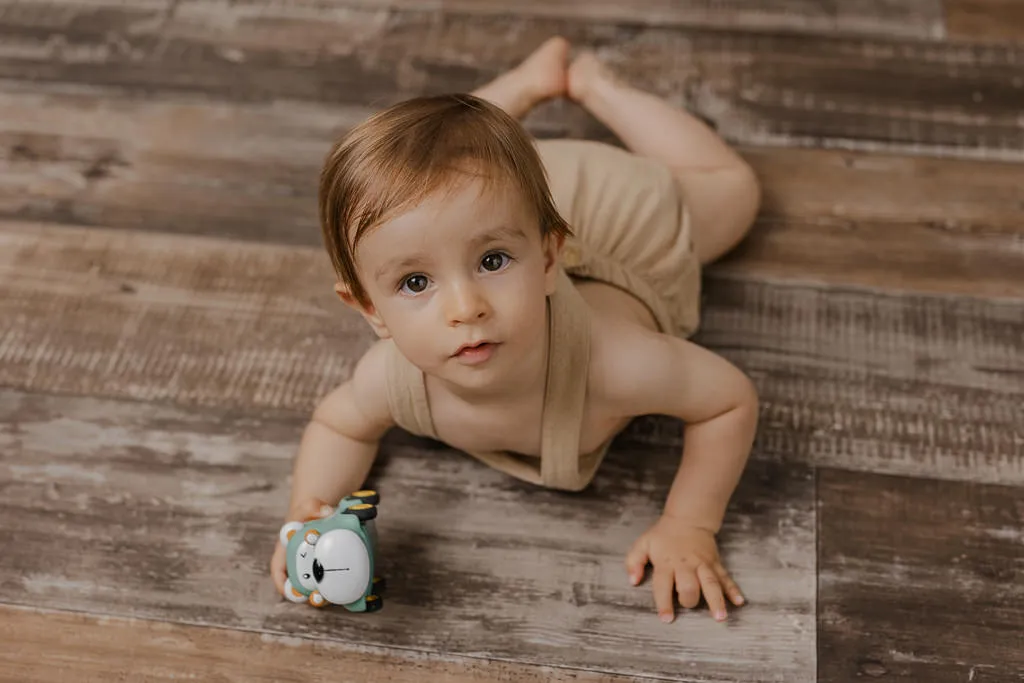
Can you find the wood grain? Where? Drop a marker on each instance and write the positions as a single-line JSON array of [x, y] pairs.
[[985, 20], [919, 580], [899, 384], [779, 89], [249, 171], [893, 223], [913, 18], [55, 647], [171, 514]]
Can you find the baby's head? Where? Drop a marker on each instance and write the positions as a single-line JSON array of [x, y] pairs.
[[439, 222]]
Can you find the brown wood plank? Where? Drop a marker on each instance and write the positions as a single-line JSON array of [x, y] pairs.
[[57, 647], [899, 384], [895, 223], [250, 170], [919, 580], [911, 18], [170, 514], [756, 88], [985, 20]]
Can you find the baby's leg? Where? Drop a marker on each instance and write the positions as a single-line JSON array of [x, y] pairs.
[[720, 190], [539, 77]]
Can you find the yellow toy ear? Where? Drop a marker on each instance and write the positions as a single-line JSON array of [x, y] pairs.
[[288, 530]]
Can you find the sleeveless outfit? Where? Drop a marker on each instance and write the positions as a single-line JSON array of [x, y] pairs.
[[631, 230]]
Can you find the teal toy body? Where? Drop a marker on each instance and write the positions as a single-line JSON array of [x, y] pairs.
[[332, 560]]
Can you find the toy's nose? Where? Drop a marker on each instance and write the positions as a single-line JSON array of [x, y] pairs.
[[318, 571]]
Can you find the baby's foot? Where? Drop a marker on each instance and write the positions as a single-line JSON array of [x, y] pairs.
[[585, 75], [543, 73]]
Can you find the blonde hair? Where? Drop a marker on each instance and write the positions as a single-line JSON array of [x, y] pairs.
[[400, 156]]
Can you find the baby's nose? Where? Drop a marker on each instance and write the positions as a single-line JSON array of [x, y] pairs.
[[466, 304]]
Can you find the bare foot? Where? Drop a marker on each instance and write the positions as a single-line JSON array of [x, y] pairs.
[[585, 74], [543, 73]]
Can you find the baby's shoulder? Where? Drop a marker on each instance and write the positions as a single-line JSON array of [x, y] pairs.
[[625, 358]]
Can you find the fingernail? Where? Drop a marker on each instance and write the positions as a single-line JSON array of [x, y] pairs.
[[325, 510], [740, 599], [667, 618], [720, 616], [635, 578]]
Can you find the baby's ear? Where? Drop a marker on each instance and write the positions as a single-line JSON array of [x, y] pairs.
[[552, 251], [369, 312]]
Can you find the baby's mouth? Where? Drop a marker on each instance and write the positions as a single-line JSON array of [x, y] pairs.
[[476, 353]]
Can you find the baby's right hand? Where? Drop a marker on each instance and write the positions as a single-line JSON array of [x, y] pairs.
[[311, 508]]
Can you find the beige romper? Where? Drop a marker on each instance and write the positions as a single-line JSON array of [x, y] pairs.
[[631, 230]]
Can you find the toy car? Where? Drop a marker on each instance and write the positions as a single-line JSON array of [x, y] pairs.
[[331, 560]]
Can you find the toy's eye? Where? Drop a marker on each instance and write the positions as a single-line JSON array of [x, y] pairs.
[[304, 555]]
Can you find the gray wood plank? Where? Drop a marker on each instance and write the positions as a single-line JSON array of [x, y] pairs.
[[756, 88], [900, 384], [910, 18], [919, 580], [170, 514], [45, 646], [250, 171]]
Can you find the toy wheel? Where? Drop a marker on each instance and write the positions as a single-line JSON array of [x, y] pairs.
[[380, 584], [367, 496], [373, 603], [364, 511]]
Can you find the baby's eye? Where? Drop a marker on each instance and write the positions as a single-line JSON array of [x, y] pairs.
[[414, 284], [495, 261]]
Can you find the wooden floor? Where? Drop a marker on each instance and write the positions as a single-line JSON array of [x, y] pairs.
[[167, 322]]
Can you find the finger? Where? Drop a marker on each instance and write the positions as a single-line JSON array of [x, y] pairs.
[[712, 588], [730, 587], [278, 569], [636, 561], [310, 509], [687, 587], [662, 583]]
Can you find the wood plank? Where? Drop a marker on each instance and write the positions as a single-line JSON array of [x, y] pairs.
[[170, 514], [919, 580], [985, 20], [911, 18], [897, 223], [757, 89], [55, 647], [899, 384], [250, 171]]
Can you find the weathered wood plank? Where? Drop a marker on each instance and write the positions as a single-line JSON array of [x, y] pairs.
[[919, 580], [56, 647], [910, 385], [985, 20], [911, 18], [895, 223], [170, 514], [250, 171], [757, 88]]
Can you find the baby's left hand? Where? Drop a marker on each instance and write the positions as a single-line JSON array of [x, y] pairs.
[[685, 557]]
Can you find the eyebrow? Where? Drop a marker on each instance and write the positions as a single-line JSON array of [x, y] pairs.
[[496, 235]]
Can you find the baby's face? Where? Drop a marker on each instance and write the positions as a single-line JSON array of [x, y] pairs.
[[460, 282]]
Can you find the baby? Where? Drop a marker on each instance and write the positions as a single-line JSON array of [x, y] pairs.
[[531, 298]]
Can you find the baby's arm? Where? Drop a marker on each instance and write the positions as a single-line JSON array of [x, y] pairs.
[[659, 374], [339, 445]]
